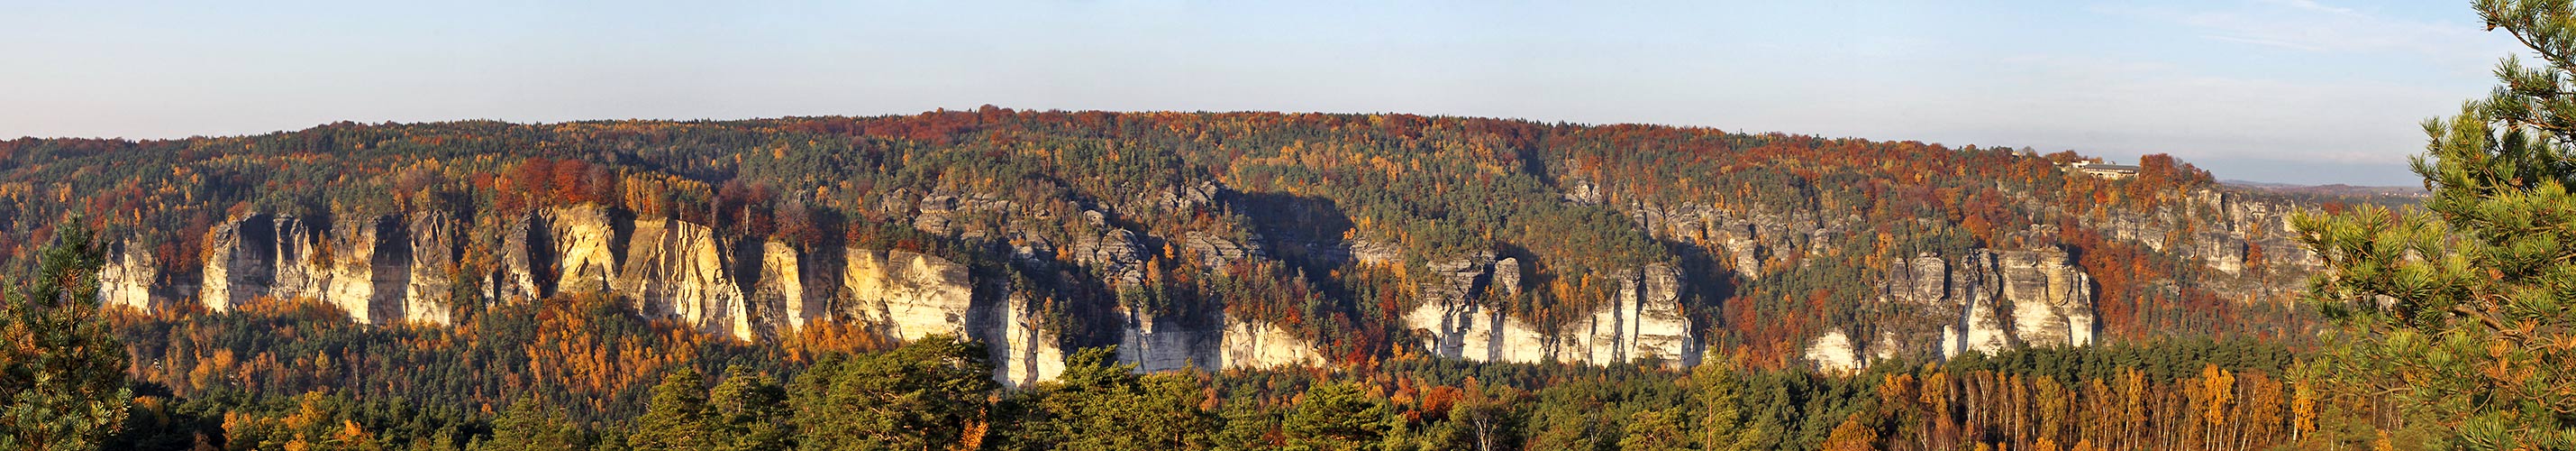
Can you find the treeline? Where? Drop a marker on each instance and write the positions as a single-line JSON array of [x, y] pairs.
[[575, 373]]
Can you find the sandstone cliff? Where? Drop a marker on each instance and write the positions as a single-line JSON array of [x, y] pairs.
[[397, 268], [433, 250], [2247, 238], [677, 269], [128, 277], [379, 269], [909, 295], [1643, 322], [394, 268], [1163, 344], [1985, 301]]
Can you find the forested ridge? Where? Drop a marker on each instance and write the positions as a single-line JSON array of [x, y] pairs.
[[586, 371], [1822, 293], [1562, 197]]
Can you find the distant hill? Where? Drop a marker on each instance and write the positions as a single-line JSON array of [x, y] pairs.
[[2409, 192]]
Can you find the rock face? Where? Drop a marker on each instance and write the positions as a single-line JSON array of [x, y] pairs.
[[780, 296], [405, 267], [676, 269], [240, 259], [2248, 238], [1025, 352], [1158, 344], [2052, 301], [1985, 301], [365, 268], [1249, 344], [909, 295], [1643, 322], [379, 269], [584, 246], [1833, 353], [128, 277], [397, 268], [1164, 344], [433, 250], [527, 262]]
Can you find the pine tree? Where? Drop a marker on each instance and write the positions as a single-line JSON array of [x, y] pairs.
[[1714, 386], [1659, 429], [929, 394], [1337, 416], [2457, 315], [62, 373], [1098, 404], [530, 425], [677, 418], [750, 413]]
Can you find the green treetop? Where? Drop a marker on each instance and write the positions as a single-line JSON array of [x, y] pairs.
[[2457, 315], [61, 373]]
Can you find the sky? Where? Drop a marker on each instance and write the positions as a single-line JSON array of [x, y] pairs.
[[2290, 91]]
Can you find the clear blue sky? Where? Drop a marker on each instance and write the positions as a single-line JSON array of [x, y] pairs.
[[2322, 91]]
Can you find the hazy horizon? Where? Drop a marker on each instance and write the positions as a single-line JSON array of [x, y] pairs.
[[2288, 91]]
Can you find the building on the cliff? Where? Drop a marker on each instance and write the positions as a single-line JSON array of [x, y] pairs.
[[2104, 170]]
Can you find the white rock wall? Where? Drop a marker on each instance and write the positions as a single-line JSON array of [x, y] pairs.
[[907, 294], [128, 277], [677, 269]]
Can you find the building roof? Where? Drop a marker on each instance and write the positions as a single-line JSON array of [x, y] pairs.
[[2110, 167]]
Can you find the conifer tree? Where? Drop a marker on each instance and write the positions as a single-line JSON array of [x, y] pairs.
[[929, 394], [2457, 316], [1099, 404], [1658, 429], [62, 374], [749, 412], [1721, 426], [677, 418], [1337, 416], [530, 425]]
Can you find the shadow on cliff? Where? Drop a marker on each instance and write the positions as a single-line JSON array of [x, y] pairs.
[[1706, 285], [1306, 231]]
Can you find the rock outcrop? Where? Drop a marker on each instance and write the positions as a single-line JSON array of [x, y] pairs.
[[677, 269], [404, 268], [1115, 255], [128, 277], [909, 295], [2245, 237], [780, 297], [1217, 251], [389, 269], [1833, 353], [1163, 344], [584, 246], [431, 288], [380, 269], [1643, 322], [1025, 352], [1985, 301], [1742, 242]]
